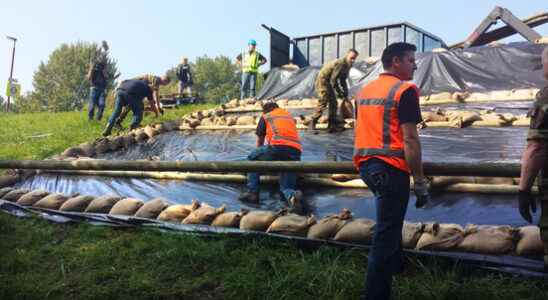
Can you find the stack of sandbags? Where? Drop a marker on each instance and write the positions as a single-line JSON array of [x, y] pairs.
[[359, 231], [488, 239], [328, 227], [207, 121], [178, 212], [441, 237], [529, 242], [32, 197], [140, 135], [77, 204], [291, 224], [203, 215], [229, 219]]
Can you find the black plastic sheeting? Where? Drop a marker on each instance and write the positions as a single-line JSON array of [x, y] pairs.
[[477, 69], [522, 266]]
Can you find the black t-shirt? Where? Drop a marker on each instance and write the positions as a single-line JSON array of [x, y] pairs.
[[136, 88], [409, 110], [97, 76], [261, 128]]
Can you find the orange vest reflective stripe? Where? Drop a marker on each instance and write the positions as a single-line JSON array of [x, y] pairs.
[[377, 132], [281, 129]]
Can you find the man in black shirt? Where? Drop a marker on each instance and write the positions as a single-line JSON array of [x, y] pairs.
[[185, 77], [130, 93], [97, 78]]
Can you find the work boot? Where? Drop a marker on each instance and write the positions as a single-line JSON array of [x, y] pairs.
[[295, 203], [108, 130], [250, 197], [118, 127]]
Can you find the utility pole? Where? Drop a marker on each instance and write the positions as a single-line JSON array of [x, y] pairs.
[[11, 70]]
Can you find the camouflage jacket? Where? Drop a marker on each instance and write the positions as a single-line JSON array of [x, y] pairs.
[[538, 129], [334, 75]]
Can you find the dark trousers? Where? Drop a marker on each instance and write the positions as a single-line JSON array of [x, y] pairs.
[[136, 105], [391, 188], [96, 98]]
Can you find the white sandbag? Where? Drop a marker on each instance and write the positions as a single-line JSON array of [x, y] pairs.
[[292, 224], [152, 208], [359, 231], [294, 103], [76, 204]]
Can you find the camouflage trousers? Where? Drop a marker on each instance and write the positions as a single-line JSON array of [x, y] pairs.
[[326, 100], [543, 222]]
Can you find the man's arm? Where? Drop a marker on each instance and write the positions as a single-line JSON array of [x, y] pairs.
[[334, 80], [262, 60], [90, 70], [261, 132], [532, 161], [239, 60], [412, 150]]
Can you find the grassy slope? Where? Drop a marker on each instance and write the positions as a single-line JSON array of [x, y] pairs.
[[41, 260]]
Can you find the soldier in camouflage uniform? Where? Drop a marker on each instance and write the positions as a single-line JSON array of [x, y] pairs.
[[330, 84], [154, 82], [534, 161]]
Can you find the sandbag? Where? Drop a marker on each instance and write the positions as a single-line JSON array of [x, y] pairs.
[[522, 122], [328, 227], [140, 135], [88, 149], [220, 121], [203, 215], [468, 117], [411, 233], [440, 96], [126, 207], [430, 116], [32, 197], [177, 213], [150, 131], [15, 194], [73, 152], [282, 102], [359, 231], [245, 120], [191, 122], [8, 180], [197, 115], [460, 96], [488, 239], [230, 121], [258, 220], [220, 112], [128, 140], [207, 122], [293, 103], [116, 143], [440, 237], [160, 127], [77, 204], [53, 201], [292, 224], [5, 190], [102, 145], [229, 219], [103, 204], [529, 242], [346, 110], [152, 208]]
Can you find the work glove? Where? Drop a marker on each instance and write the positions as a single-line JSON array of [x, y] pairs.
[[527, 203], [421, 192]]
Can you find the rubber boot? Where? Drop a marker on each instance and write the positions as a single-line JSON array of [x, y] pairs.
[[108, 130]]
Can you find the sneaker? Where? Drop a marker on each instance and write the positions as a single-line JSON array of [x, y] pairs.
[[295, 203], [251, 197]]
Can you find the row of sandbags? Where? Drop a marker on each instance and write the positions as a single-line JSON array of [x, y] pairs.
[[459, 119], [503, 95], [341, 227]]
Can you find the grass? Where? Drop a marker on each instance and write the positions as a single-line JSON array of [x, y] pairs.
[[41, 260]]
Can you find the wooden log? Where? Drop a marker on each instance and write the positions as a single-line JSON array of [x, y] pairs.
[[250, 127], [484, 169]]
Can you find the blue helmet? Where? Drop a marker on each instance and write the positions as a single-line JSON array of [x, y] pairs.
[[252, 42]]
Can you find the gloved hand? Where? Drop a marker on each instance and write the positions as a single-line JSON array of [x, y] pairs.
[[527, 201], [421, 192]]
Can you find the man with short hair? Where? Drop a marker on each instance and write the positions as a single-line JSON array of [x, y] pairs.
[[534, 160], [131, 93], [97, 76], [249, 61], [185, 77], [386, 149], [330, 84], [279, 129]]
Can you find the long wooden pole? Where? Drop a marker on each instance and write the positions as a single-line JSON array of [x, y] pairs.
[[487, 169]]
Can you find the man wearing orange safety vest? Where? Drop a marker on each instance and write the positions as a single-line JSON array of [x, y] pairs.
[[279, 129], [386, 149]]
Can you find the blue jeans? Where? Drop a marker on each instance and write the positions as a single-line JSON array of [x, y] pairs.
[[249, 81], [391, 188], [135, 104], [288, 181], [96, 98]]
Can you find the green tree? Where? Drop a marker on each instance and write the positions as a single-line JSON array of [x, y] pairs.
[[60, 84]]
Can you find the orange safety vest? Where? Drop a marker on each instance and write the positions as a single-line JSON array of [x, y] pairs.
[[281, 129], [377, 131]]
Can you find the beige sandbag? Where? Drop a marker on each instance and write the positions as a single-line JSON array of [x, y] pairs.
[[160, 128], [77, 204], [529, 242], [440, 96], [177, 213], [191, 122], [220, 112], [346, 110], [229, 219], [328, 227], [140, 135], [197, 115], [87, 149], [309, 102], [8, 180], [128, 140], [411, 233], [469, 117], [126, 207], [460, 96], [203, 215], [103, 204], [73, 152], [292, 224], [5, 190], [522, 122], [488, 239], [230, 121], [207, 122], [359, 231], [245, 120], [102, 145], [440, 237], [32, 197], [152, 208], [15, 194], [151, 131], [258, 220], [282, 102], [293, 103], [430, 116], [53, 201], [220, 121], [116, 143]]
